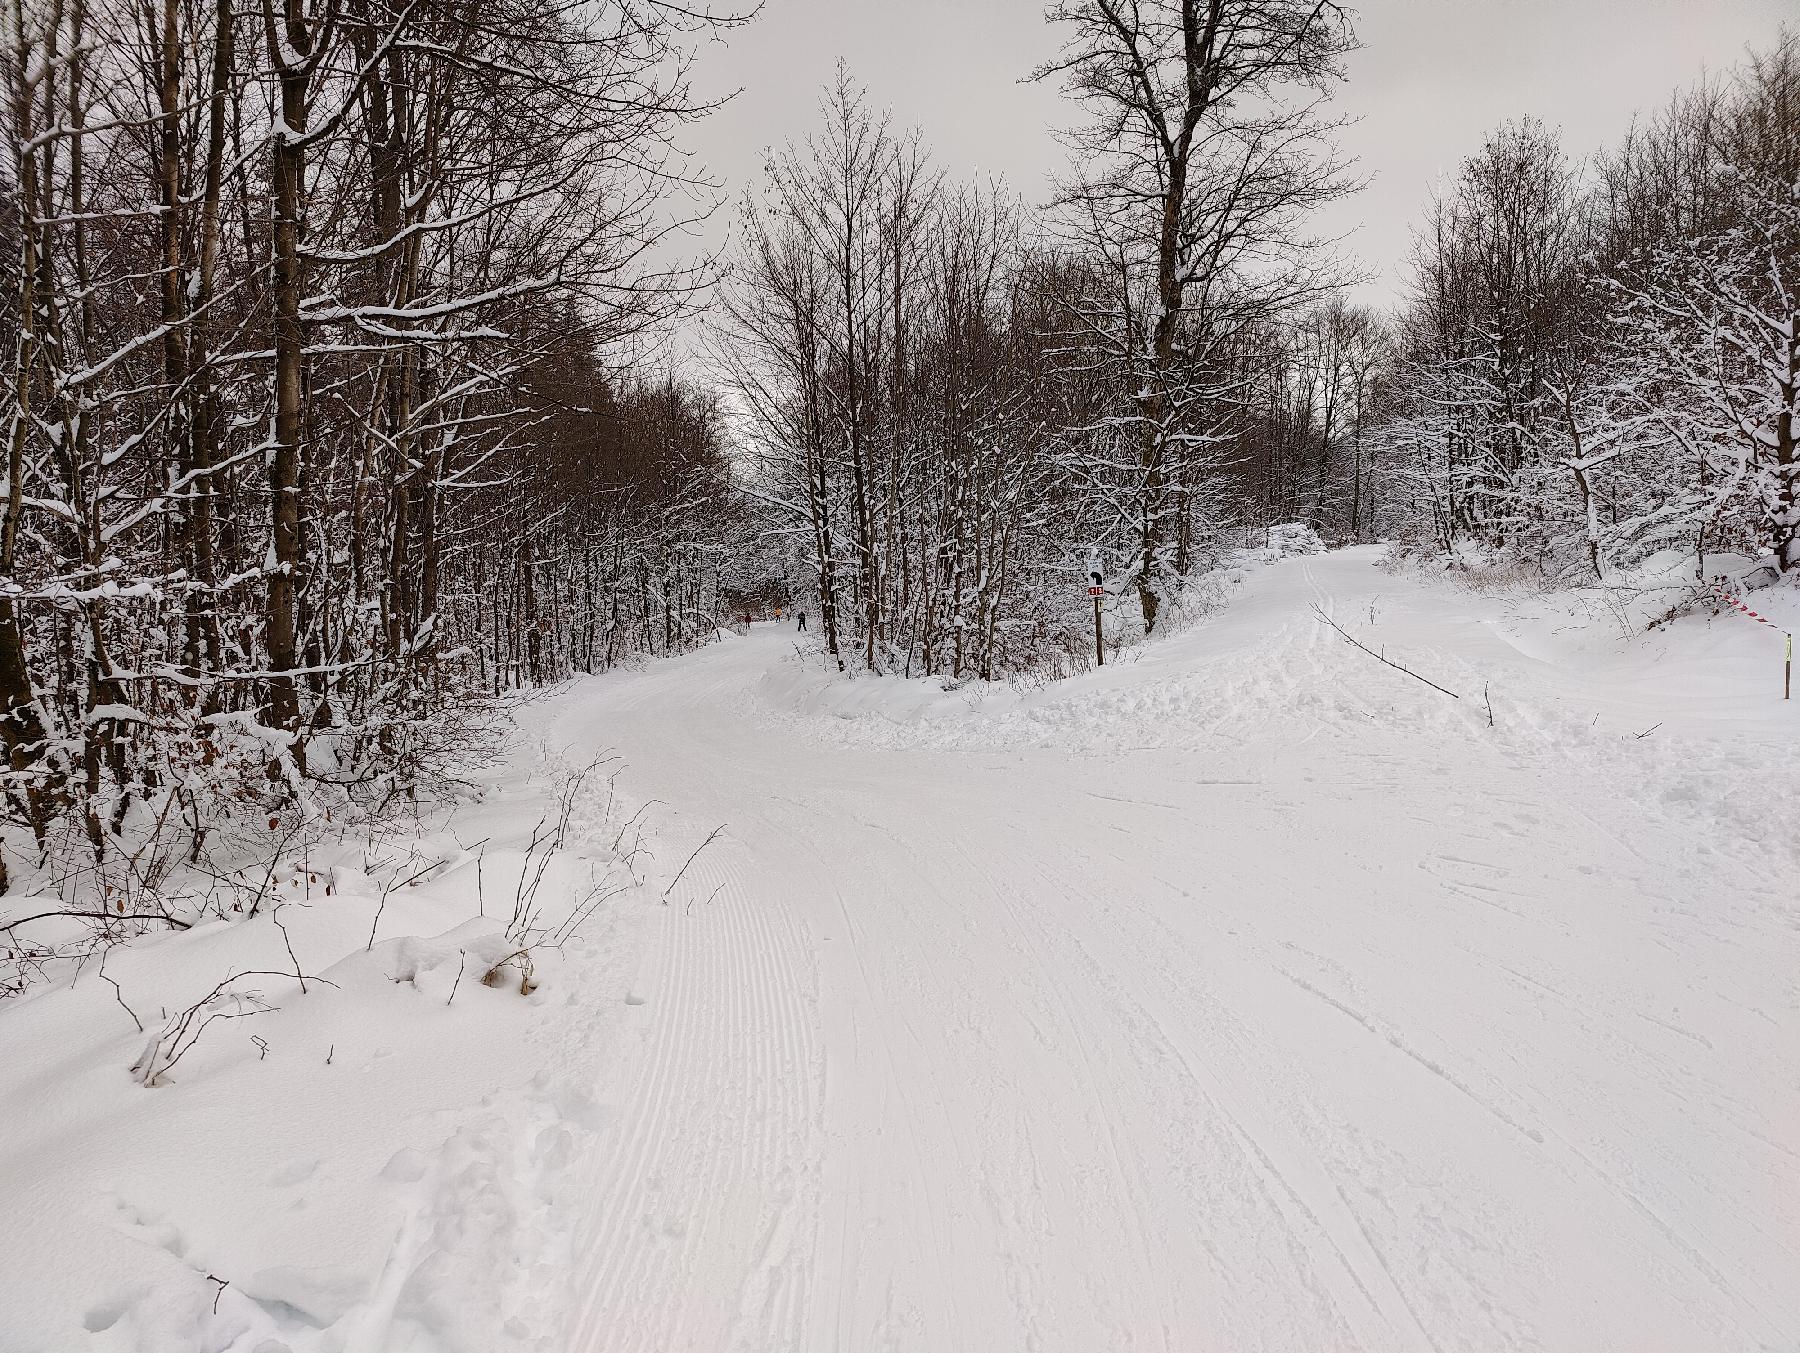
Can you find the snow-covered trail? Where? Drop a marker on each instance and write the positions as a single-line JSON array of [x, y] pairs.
[[1250, 996]]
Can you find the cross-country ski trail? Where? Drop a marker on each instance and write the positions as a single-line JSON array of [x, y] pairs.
[[1248, 995]]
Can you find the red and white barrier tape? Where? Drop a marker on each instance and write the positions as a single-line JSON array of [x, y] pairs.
[[1718, 586], [1787, 667]]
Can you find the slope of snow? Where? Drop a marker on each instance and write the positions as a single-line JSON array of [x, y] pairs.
[[1245, 994]]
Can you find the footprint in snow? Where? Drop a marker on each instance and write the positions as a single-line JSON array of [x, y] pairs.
[[406, 1167], [295, 1171]]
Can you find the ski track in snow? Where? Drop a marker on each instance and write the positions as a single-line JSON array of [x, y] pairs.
[[1324, 1017]]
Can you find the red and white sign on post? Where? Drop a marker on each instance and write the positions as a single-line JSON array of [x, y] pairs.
[[1097, 590]]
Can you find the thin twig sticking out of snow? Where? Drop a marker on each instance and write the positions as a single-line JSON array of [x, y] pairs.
[[1381, 657], [275, 862], [178, 1037], [631, 821], [381, 906], [118, 992], [275, 916], [712, 836], [460, 965]]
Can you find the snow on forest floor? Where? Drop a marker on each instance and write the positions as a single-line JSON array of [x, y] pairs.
[[1243, 994], [376, 1161]]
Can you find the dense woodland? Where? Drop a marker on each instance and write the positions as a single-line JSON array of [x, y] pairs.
[[328, 420], [316, 433]]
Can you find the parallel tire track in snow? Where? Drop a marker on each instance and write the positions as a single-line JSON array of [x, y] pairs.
[[703, 1170]]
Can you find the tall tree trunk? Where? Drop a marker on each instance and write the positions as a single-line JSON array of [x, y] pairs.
[[293, 61], [21, 722]]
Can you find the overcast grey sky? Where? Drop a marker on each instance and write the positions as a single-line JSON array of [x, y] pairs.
[[1432, 77]]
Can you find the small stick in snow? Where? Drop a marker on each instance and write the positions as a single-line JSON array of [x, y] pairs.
[[1648, 731], [381, 906], [1489, 703], [223, 1284], [690, 859], [1355, 643], [460, 965], [631, 821], [275, 916], [118, 993], [274, 862]]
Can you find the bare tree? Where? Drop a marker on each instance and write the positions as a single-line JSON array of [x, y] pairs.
[[1206, 148]]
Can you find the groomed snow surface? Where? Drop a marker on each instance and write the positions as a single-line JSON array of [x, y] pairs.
[[1246, 994]]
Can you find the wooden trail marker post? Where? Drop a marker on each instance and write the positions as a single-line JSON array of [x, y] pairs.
[[1097, 590]]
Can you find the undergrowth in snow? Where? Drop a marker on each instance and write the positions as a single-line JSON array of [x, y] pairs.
[[329, 1107]]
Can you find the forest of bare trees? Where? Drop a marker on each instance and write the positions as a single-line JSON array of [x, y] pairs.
[[313, 434], [953, 401], [323, 432], [956, 403]]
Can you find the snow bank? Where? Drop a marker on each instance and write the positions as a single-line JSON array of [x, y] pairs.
[[1288, 540], [806, 686], [945, 710], [1638, 676]]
